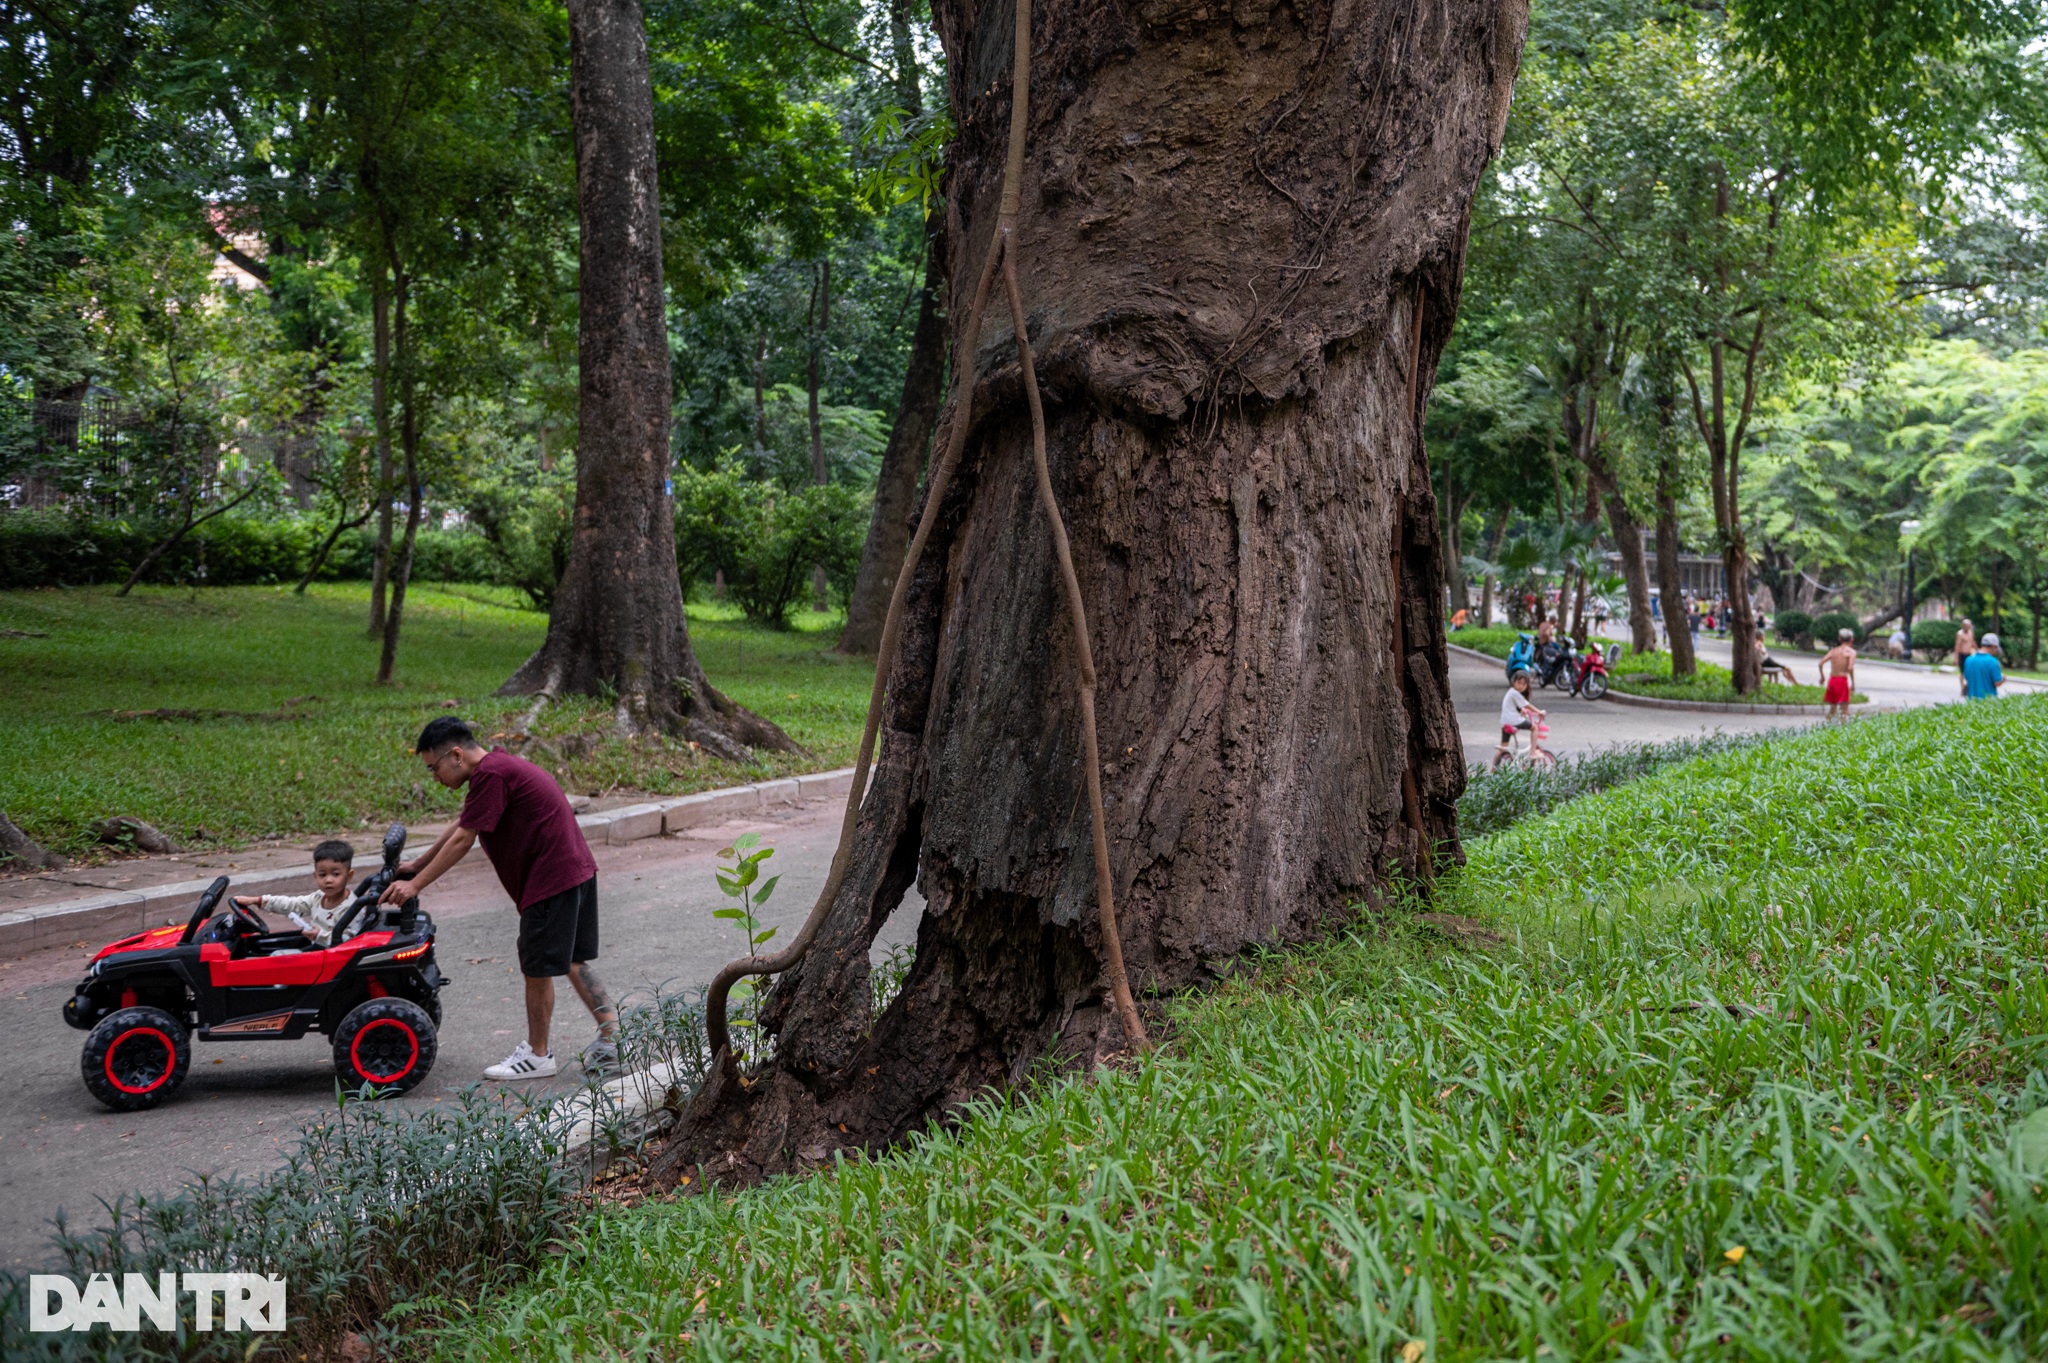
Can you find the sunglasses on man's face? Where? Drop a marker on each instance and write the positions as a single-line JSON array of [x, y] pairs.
[[434, 765]]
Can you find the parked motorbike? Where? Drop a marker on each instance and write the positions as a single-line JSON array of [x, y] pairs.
[[1522, 657], [1594, 670], [1556, 664]]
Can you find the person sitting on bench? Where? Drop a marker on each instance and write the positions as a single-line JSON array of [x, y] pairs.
[[1771, 669]]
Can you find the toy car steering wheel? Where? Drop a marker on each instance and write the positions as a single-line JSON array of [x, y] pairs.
[[247, 917]]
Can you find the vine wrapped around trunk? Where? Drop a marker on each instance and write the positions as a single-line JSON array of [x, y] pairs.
[[1239, 257]]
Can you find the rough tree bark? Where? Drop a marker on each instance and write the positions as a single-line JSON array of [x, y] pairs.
[[903, 459], [617, 618], [1240, 253], [415, 497], [1628, 539], [380, 414], [1669, 583], [917, 408]]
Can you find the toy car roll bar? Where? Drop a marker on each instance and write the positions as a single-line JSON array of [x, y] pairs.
[[207, 903]]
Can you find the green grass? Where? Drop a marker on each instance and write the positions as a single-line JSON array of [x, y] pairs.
[[1649, 674], [308, 743], [1741, 1082]]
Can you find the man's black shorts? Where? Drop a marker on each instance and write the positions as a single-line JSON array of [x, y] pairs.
[[557, 930]]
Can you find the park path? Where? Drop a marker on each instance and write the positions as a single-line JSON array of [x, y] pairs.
[[1891, 686], [242, 1104]]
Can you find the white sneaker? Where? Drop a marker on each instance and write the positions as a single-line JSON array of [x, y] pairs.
[[521, 1064]]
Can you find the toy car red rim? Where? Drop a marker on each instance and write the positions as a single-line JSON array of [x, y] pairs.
[[384, 1053], [132, 1083]]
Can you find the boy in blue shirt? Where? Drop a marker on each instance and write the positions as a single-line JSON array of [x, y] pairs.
[[1982, 676]]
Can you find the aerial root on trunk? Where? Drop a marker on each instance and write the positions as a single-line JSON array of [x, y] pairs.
[[999, 253]]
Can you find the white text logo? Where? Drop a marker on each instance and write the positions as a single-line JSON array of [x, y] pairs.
[[248, 1301]]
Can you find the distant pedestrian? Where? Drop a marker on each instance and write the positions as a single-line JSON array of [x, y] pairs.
[[1966, 641], [1838, 670], [1897, 647], [1692, 619], [1982, 676]]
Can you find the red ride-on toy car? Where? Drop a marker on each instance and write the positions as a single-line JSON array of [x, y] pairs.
[[375, 991]]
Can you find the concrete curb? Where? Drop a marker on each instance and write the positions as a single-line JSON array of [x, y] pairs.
[[1708, 707], [1717, 708], [99, 915], [627, 1101]]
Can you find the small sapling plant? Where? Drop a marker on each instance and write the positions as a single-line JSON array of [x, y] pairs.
[[742, 881]]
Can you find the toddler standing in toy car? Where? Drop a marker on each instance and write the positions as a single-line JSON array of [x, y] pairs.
[[314, 914]]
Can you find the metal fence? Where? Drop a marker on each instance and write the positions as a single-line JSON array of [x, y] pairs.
[[61, 453], [88, 453]]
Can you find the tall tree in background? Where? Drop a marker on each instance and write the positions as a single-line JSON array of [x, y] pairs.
[[1239, 258], [617, 620], [68, 76], [917, 410]]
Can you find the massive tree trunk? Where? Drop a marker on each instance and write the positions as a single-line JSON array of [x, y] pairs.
[[903, 460], [617, 619], [1240, 253], [1628, 539]]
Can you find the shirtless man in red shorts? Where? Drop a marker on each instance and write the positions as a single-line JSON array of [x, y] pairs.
[[1839, 669]]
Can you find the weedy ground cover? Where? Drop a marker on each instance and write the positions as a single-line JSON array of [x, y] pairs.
[[1747, 1078], [248, 712], [1494, 799], [1649, 674]]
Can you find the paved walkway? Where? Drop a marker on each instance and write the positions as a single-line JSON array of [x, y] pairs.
[[1888, 684], [242, 1104]]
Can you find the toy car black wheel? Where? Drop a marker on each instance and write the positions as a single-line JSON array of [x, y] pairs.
[[135, 1058], [387, 1043]]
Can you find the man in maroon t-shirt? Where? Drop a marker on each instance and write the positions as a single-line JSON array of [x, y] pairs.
[[530, 834]]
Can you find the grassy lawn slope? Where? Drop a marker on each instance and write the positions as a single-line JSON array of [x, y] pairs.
[[1748, 1077], [249, 712]]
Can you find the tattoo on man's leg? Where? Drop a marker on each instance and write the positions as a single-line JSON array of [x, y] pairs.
[[594, 992]]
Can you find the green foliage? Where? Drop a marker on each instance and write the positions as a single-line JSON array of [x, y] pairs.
[[64, 549], [766, 539], [249, 712], [1827, 628], [1936, 638], [1743, 1069], [1498, 797], [853, 438], [1877, 88], [1793, 626], [1953, 435], [740, 878], [378, 1207], [528, 525]]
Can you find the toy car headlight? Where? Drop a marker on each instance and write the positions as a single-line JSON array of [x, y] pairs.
[[94, 972]]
